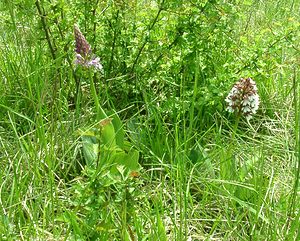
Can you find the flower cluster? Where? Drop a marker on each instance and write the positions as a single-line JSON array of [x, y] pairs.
[[84, 55], [243, 98]]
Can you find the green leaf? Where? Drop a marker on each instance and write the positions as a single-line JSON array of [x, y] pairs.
[[90, 147], [120, 160], [161, 229], [128, 160], [71, 218], [127, 236], [119, 130], [108, 136]]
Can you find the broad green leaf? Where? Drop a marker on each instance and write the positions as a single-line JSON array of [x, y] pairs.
[[107, 135], [119, 130], [128, 160], [90, 147]]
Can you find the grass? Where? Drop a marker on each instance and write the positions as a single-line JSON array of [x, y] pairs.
[[203, 177]]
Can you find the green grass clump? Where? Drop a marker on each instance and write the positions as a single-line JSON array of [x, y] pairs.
[[146, 150]]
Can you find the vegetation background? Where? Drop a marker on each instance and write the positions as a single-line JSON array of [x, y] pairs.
[[168, 66]]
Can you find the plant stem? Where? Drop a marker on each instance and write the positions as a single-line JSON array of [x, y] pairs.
[[100, 112], [236, 124], [107, 132], [78, 99], [228, 168], [297, 149]]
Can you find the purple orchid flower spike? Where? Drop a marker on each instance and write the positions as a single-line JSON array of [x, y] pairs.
[[243, 98], [84, 55]]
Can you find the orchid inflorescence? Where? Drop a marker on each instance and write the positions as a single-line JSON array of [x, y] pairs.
[[84, 55], [243, 98]]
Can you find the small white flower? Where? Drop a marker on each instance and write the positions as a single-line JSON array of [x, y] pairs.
[[246, 109], [95, 63], [230, 109], [248, 117], [245, 102]]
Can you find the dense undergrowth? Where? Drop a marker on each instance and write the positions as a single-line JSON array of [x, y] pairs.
[[178, 166]]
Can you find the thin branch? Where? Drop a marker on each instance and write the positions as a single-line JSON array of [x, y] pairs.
[[46, 30], [147, 36], [113, 46]]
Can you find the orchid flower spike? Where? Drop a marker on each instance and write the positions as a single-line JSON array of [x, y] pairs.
[[243, 98], [84, 55]]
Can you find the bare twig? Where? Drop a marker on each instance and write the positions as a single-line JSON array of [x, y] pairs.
[[46, 30]]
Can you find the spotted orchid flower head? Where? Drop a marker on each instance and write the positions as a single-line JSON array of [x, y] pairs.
[[84, 55], [243, 98]]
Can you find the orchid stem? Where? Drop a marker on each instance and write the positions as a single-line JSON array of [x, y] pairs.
[[236, 124], [100, 112]]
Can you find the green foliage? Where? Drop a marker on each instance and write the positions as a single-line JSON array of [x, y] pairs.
[[73, 142], [98, 153], [98, 197], [161, 231]]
